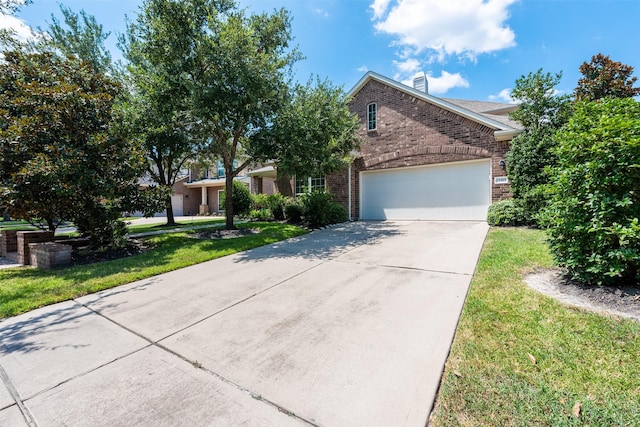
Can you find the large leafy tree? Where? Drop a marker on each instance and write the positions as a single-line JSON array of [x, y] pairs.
[[223, 71], [160, 63], [594, 213], [61, 156], [541, 111], [313, 134], [604, 78]]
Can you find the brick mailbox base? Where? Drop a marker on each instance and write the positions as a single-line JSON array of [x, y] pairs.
[[49, 255], [27, 237]]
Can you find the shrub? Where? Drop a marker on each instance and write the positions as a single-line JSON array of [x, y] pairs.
[[337, 213], [593, 216], [260, 214], [506, 212], [276, 204], [319, 209], [241, 199], [259, 201], [293, 211]]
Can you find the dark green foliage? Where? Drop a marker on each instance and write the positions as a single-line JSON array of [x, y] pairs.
[[542, 113], [508, 212], [83, 38], [276, 203], [241, 199], [62, 154], [319, 209], [259, 201], [593, 218], [261, 214], [313, 134], [293, 211]]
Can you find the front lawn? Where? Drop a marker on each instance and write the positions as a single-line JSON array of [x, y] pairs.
[[24, 289], [143, 228], [522, 359]]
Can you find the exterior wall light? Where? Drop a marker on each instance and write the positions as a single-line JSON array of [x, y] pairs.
[[503, 164]]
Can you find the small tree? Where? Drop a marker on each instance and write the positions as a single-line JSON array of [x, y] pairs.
[[542, 112], [594, 216], [605, 78], [314, 133]]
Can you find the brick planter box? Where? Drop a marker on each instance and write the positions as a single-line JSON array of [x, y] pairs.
[[49, 255], [27, 237]]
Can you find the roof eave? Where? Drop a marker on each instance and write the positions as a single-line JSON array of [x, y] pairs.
[[506, 135]]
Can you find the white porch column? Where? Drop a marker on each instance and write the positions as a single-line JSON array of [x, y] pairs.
[[204, 196]]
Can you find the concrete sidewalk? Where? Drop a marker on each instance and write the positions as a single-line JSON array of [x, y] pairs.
[[345, 326]]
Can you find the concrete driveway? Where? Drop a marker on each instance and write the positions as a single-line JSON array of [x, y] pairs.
[[346, 326]]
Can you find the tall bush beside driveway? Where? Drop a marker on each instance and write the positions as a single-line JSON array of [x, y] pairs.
[[594, 214]]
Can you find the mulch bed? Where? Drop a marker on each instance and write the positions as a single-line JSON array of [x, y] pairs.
[[225, 234]]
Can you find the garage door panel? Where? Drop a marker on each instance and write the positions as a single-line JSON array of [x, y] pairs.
[[460, 191]]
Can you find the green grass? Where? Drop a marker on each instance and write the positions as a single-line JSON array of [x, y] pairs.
[[16, 225], [24, 289], [143, 228], [582, 357]]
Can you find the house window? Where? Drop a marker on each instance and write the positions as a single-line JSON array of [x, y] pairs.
[[221, 167], [308, 184], [372, 116]]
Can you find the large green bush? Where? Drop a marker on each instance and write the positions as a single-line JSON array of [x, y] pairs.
[[508, 212], [593, 216], [276, 204], [241, 199], [319, 209]]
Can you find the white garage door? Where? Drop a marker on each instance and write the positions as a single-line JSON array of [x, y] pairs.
[[176, 204], [454, 191]]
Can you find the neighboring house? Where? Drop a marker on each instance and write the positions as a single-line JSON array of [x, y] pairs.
[[424, 157]]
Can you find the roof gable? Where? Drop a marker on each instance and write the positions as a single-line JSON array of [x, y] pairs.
[[504, 128]]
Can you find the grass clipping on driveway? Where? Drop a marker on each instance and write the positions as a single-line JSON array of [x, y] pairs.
[[520, 358], [24, 289]]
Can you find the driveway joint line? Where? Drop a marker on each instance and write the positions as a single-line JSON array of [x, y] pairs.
[[26, 414], [228, 307]]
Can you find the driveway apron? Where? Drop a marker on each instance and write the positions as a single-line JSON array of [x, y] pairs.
[[350, 325]]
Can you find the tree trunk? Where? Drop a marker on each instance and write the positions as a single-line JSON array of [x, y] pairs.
[[228, 201], [283, 182], [170, 218]]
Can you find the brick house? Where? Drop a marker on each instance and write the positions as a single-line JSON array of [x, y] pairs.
[[424, 157]]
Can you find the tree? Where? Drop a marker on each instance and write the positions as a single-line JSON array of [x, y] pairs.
[[61, 155], [542, 112], [314, 133], [605, 78], [158, 63], [238, 80], [593, 216], [83, 37]]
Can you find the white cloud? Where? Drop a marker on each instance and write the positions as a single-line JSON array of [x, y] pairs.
[[363, 69], [465, 28], [408, 66], [439, 85], [503, 96], [23, 31], [379, 8], [322, 12]]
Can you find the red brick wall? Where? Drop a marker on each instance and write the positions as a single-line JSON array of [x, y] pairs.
[[413, 132]]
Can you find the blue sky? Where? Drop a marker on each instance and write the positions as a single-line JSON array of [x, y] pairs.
[[470, 49]]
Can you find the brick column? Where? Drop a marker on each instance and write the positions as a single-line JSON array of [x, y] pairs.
[[26, 237]]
